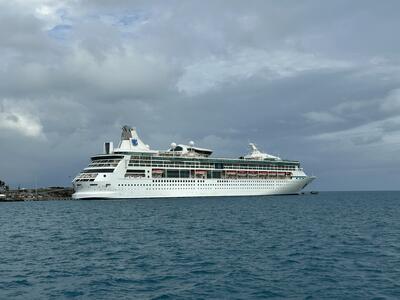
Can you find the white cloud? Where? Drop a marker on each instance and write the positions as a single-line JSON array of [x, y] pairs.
[[350, 107], [392, 102], [48, 11], [213, 71], [16, 118], [322, 117], [118, 74], [382, 133]]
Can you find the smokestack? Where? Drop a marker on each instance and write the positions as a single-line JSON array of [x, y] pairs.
[[108, 147]]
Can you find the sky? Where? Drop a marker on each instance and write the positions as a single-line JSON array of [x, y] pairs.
[[314, 81]]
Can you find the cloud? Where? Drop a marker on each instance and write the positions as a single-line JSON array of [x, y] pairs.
[[221, 74], [118, 74], [383, 132], [391, 103], [15, 118], [322, 117], [214, 71]]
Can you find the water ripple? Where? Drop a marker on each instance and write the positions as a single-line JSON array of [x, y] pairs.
[[333, 245]]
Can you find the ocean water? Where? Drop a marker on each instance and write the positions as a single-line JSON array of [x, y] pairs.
[[336, 245]]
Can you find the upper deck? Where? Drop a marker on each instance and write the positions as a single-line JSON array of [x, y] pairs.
[[152, 160], [184, 156]]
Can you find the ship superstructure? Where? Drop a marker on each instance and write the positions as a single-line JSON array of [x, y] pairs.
[[133, 170]]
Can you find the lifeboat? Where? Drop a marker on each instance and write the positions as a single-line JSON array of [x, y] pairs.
[[200, 172], [242, 173], [157, 171], [253, 173], [230, 172]]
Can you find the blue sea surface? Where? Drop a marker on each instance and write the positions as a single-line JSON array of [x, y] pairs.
[[334, 245]]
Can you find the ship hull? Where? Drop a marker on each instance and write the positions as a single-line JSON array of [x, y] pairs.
[[180, 188]]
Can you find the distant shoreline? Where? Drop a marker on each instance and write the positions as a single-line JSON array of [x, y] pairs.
[[40, 194]]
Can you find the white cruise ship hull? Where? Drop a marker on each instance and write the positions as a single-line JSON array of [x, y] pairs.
[[174, 188]]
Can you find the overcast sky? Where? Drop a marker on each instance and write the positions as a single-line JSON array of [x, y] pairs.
[[315, 81]]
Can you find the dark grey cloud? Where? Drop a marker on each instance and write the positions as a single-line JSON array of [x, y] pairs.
[[313, 81]]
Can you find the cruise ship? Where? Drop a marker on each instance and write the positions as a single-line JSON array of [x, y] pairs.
[[133, 170]]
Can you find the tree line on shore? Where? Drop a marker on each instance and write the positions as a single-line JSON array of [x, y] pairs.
[[3, 186]]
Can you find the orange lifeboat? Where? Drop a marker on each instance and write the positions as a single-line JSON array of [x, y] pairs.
[[230, 172], [200, 172]]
